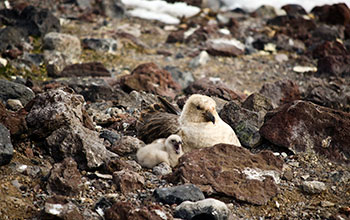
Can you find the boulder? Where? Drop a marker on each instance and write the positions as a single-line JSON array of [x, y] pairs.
[[303, 126], [128, 181], [58, 207], [149, 77], [12, 90], [231, 171]]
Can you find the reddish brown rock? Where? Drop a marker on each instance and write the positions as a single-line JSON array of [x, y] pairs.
[[303, 126], [126, 145], [84, 69], [128, 210], [294, 10], [280, 92], [14, 121], [330, 48], [176, 36], [150, 78], [128, 181], [334, 66], [65, 178], [333, 14], [205, 86], [227, 170]]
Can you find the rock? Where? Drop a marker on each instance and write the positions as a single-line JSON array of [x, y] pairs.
[[61, 49], [265, 11], [178, 194], [11, 38], [334, 66], [104, 45], [204, 209], [281, 57], [333, 14], [206, 86], [57, 207], [176, 36], [284, 42], [304, 69], [38, 22], [303, 126], [162, 169], [182, 78], [328, 32], [330, 48], [93, 89], [294, 10], [14, 121], [280, 92], [57, 116], [231, 171], [313, 187], [93, 69], [244, 122], [14, 104], [109, 135], [331, 93], [6, 148], [200, 60], [113, 8], [149, 78], [258, 103], [127, 210], [12, 90], [128, 181], [65, 178], [126, 145], [224, 47]]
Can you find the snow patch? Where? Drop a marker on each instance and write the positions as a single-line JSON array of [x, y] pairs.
[[258, 174]]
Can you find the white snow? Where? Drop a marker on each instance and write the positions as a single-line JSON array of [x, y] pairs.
[[258, 174], [254, 4], [160, 10]]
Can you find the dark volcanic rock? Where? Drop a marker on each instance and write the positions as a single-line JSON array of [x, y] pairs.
[[178, 194], [65, 178], [127, 210], [280, 92], [148, 77], [6, 148], [334, 66], [11, 38], [57, 116], [85, 69], [208, 87], [227, 170], [38, 22], [330, 48], [331, 93], [204, 209], [11, 90], [128, 181], [102, 45], [304, 126], [245, 123], [258, 103], [176, 36], [294, 10], [333, 14]]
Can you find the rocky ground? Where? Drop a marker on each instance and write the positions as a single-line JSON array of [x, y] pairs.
[[76, 75]]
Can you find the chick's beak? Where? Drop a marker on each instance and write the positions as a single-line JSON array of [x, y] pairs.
[[209, 116], [177, 147]]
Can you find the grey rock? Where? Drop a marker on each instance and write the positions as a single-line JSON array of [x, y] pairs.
[[258, 103], [313, 187], [110, 136], [113, 8], [11, 90], [6, 148], [162, 169], [107, 45], [178, 194], [57, 116], [204, 209], [11, 37], [245, 123], [127, 145], [200, 60], [183, 78]]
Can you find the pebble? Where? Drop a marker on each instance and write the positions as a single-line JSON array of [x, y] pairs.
[[313, 187]]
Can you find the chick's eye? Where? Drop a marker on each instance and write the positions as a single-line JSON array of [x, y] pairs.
[[198, 107]]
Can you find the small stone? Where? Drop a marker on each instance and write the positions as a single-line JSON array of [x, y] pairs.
[[12, 90], [305, 177], [207, 208], [14, 104], [128, 181], [178, 194], [107, 45], [313, 187], [162, 169], [200, 60], [6, 148], [326, 204], [281, 57], [304, 69], [288, 175]]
